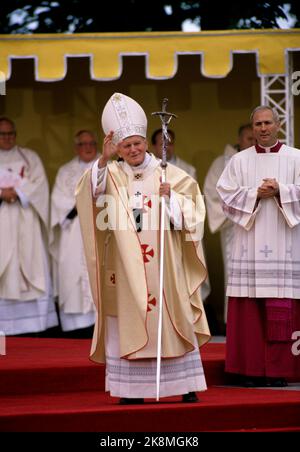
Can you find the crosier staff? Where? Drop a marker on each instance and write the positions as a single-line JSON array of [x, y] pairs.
[[165, 118]]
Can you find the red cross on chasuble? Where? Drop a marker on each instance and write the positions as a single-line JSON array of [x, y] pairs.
[[151, 302], [148, 252]]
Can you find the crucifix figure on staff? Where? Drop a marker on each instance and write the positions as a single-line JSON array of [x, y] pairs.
[[122, 248]]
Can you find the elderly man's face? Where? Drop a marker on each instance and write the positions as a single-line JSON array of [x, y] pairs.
[[133, 150], [7, 136], [265, 128], [86, 147]]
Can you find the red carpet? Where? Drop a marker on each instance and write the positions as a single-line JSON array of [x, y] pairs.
[[50, 385]]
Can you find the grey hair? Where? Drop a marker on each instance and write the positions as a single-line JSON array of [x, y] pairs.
[[81, 132], [265, 107]]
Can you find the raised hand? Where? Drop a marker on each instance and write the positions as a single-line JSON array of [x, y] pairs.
[[108, 150]]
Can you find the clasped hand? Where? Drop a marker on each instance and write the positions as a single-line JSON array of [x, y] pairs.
[[268, 189], [9, 195]]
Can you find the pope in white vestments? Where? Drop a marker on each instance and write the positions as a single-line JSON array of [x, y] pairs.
[[76, 307], [26, 302], [119, 214]]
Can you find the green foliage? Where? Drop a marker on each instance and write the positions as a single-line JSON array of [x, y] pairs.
[[78, 16]]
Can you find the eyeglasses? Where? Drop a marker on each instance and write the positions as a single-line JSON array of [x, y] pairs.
[[86, 143], [8, 134]]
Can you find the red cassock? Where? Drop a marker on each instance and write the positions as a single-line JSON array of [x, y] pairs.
[[259, 337]]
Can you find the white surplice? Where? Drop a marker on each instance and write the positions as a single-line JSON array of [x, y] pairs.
[[26, 302], [265, 259], [217, 220], [76, 307]]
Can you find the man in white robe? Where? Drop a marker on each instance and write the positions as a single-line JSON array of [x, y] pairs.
[[26, 302], [260, 192], [124, 264], [157, 141], [217, 220], [76, 307]]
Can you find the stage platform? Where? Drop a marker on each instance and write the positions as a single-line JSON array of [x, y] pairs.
[[51, 385]]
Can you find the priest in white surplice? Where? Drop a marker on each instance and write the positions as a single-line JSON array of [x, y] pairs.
[[26, 303], [76, 307], [119, 214], [217, 220], [260, 191]]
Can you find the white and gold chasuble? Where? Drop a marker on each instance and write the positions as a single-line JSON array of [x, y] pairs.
[[141, 187], [126, 289]]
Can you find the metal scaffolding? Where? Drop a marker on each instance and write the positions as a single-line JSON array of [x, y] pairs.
[[276, 92]]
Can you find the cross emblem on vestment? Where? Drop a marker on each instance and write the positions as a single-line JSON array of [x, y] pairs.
[[147, 203], [138, 193], [147, 251], [266, 251], [244, 250], [117, 98], [138, 176], [151, 302]]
